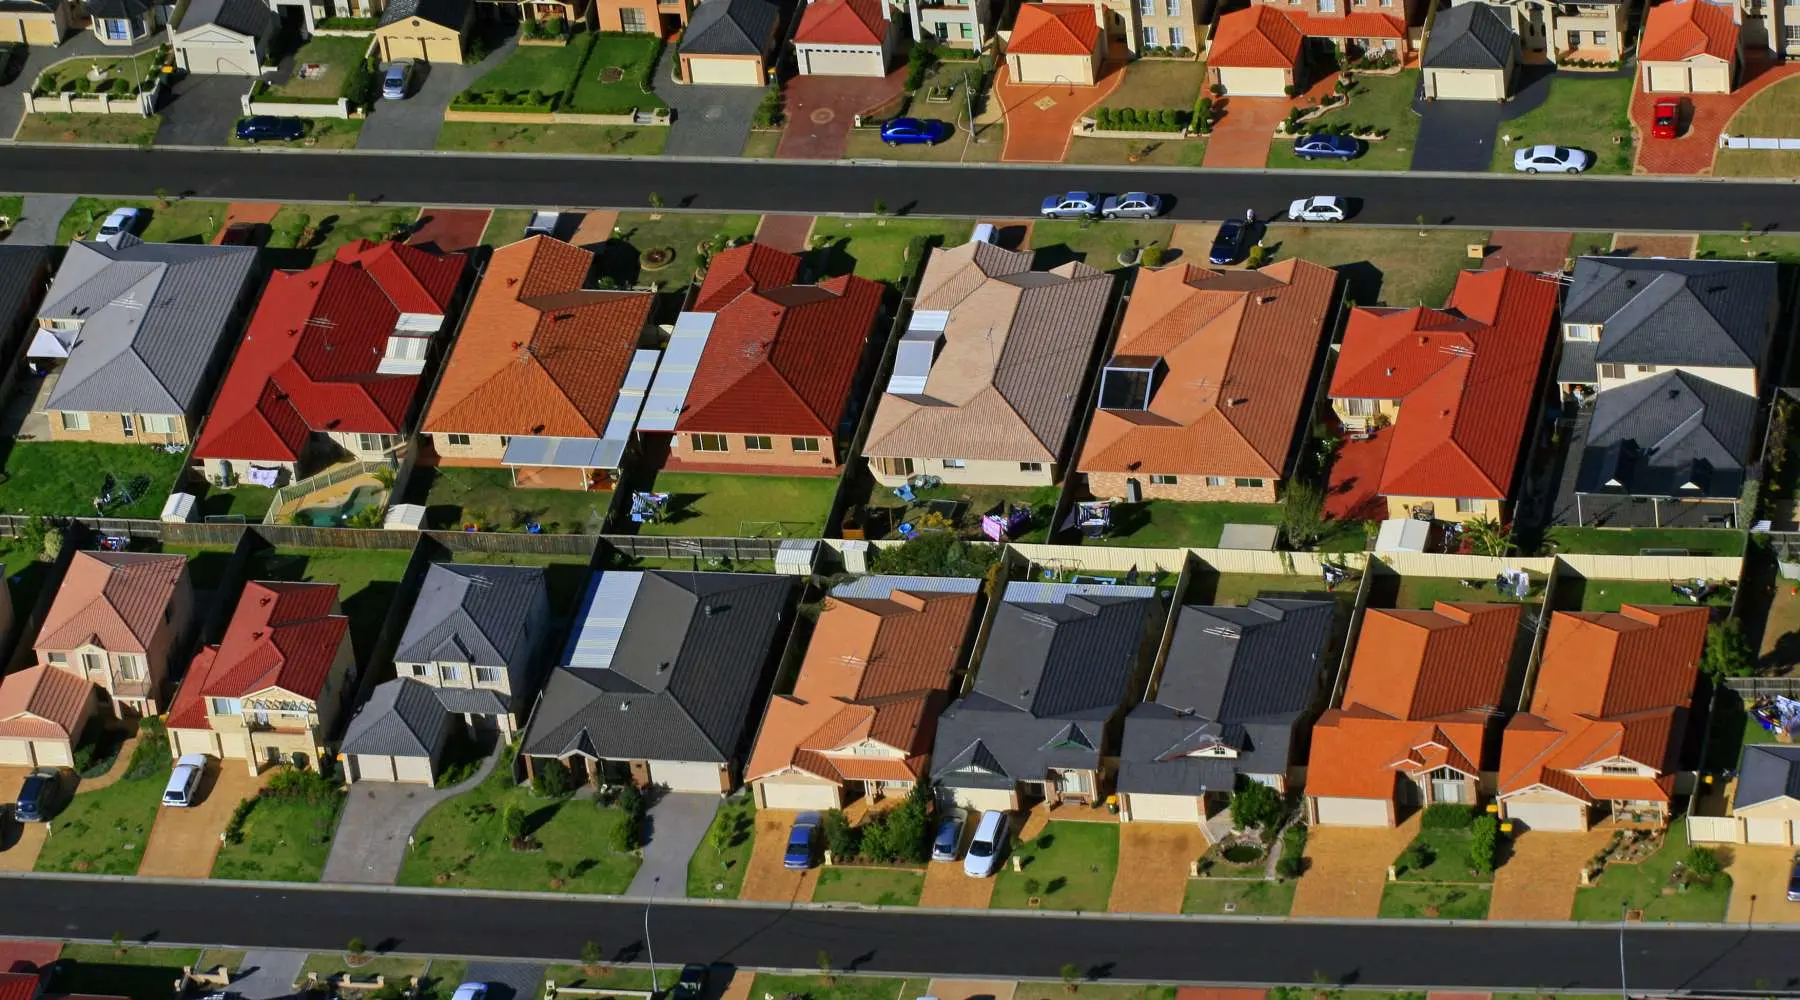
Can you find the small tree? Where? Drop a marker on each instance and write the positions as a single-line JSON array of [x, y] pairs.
[[552, 779], [656, 200], [1703, 862], [1071, 976], [1488, 537], [1726, 653], [354, 948], [722, 833], [512, 822], [1151, 256], [841, 838], [1484, 843], [1420, 219], [1746, 228], [118, 940], [591, 956], [162, 197], [825, 975], [881, 207], [1303, 513], [1255, 805]]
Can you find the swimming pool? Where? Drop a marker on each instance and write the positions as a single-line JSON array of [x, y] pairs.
[[360, 498]]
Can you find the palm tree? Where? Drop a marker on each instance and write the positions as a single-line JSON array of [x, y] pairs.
[[1488, 537]]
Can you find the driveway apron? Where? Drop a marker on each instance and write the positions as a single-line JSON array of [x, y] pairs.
[[765, 878], [1539, 879], [1346, 869], [506, 980], [201, 110], [414, 123], [183, 842], [1153, 866], [268, 975], [378, 818], [821, 110], [708, 121], [1241, 138], [675, 825], [40, 218]]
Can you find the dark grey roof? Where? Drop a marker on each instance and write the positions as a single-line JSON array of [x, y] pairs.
[[21, 281], [683, 680], [250, 18], [118, 8], [1657, 435], [473, 701], [490, 616], [154, 317], [1470, 36], [1699, 313], [1052, 674], [1767, 771], [449, 13], [403, 718], [731, 28], [1235, 678], [1577, 365]]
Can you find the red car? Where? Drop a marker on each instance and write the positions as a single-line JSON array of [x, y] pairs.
[[1665, 118]]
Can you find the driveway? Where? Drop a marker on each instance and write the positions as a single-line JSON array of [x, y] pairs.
[[19, 842], [1527, 249], [1153, 866], [1242, 135], [1460, 135], [821, 110], [370, 842], [1539, 879], [973, 989], [268, 975], [1346, 869], [507, 980], [1703, 117], [1040, 117], [947, 887], [1759, 871], [765, 878], [414, 123], [675, 826], [446, 230], [708, 121], [40, 218], [201, 110], [183, 842]]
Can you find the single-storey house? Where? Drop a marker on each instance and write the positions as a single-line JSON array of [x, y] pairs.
[[1058, 43], [116, 620], [1471, 55], [430, 31], [36, 22], [1691, 47], [224, 37], [43, 711], [1256, 51], [847, 38], [730, 42]]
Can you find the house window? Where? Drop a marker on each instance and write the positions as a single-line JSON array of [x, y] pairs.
[[1600, 36], [1618, 769], [449, 672], [964, 30], [1327, 6], [758, 442], [1466, 506], [1359, 407], [461, 440], [1149, 35], [1147, 8], [1215, 481], [708, 442], [894, 466], [226, 706], [127, 424], [420, 670], [487, 675], [1646, 369], [159, 423], [1159, 480], [1790, 34], [1581, 331], [131, 666], [118, 29], [953, 463], [74, 420], [1031, 466], [1177, 38], [1172, 8], [1387, 3], [806, 445], [1248, 483], [1612, 371], [93, 662], [1574, 39], [632, 19], [59, 659]]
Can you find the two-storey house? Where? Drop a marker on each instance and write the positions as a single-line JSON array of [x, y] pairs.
[[115, 622]]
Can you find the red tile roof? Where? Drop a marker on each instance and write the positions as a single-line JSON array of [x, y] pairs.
[[843, 22], [1351, 24], [283, 635], [1259, 35], [1054, 29], [43, 702], [1466, 377], [308, 361], [18, 985], [1683, 29], [116, 599], [781, 357]]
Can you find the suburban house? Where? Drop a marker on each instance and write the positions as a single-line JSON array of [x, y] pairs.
[[847, 38], [659, 17], [116, 620], [547, 376], [1234, 686], [1607, 716], [1059, 661], [989, 372], [330, 365], [36, 22], [224, 37], [1669, 450], [1206, 394], [468, 660], [1766, 799], [1460, 386], [662, 680], [1266, 51], [1591, 30], [1424, 693], [269, 693], [24, 278], [1061, 43], [731, 42], [126, 22], [956, 24], [574, 14], [1691, 47], [864, 708], [1472, 54], [137, 332], [431, 31], [43, 712], [758, 373]]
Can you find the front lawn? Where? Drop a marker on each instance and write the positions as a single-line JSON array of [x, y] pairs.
[[542, 72], [179, 221], [1430, 900], [506, 225], [865, 143], [1574, 593], [54, 126], [457, 497], [1247, 897], [1582, 110], [718, 872], [322, 228], [838, 987], [103, 832], [66, 477], [1632, 541], [608, 140], [122, 74], [1780, 247], [337, 55], [876, 248], [871, 886], [138, 972], [617, 977], [1156, 84], [1168, 524], [286, 835], [1069, 866], [1642, 887], [368, 581], [730, 506], [336, 964], [638, 233], [1379, 102], [1170, 152], [1771, 114], [1446, 857], [1391, 267], [609, 83], [1096, 244]]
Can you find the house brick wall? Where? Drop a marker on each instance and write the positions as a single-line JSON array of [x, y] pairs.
[[1444, 508], [1186, 488], [482, 450], [109, 428], [974, 472], [781, 454]]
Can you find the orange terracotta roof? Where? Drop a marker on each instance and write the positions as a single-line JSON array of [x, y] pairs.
[[1260, 35], [1054, 29], [1351, 24], [1683, 29], [1238, 349], [282, 635], [43, 703], [843, 22], [18, 986], [115, 600], [1466, 377], [538, 353], [1358, 754]]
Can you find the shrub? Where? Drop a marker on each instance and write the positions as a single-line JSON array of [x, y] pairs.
[[294, 784], [1255, 805], [919, 62], [1151, 256], [1703, 862], [512, 823], [1259, 255], [841, 839], [1416, 857], [360, 83], [768, 113], [936, 554], [1484, 843], [234, 828], [552, 779], [151, 758], [1447, 816]]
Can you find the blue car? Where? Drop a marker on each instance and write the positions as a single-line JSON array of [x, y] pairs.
[[915, 132], [802, 837], [262, 128], [1228, 245], [1327, 146]]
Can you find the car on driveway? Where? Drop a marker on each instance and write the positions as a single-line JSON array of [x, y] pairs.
[[270, 128], [915, 131], [245, 234], [396, 80], [184, 781], [692, 984], [1665, 118], [984, 850], [470, 991], [1319, 208], [1131, 205], [1074, 205], [40, 794], [1228, 245], [802, 841], [949, 836], [121, 220], [1552, 160], [1327, 146]]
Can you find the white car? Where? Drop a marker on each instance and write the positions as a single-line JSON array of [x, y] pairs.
[[1551, 159], [983, 857], [122, 220], [185, 781], [1319, 208], [470, 991]]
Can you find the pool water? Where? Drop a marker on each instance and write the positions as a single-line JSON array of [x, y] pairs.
[[360, 498]]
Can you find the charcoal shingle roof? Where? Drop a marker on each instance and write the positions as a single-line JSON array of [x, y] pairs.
[[1658, 436], [1653, 311], [1470, 36]]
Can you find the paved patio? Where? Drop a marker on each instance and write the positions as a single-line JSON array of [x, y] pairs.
[[1040, 117], [1346, 869], [1539, 880], [1703, 117], [764, 878], [183, 842], [1351, 489], [821, 110], [253, 212], [1153, 866]]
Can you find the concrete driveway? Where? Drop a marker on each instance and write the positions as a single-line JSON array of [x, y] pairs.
[[674, 827], [183, 842], [1153, 866], [414, 123], [1460, 135], [1760, 871], [764, 877], [19, 842], [370, 842], [1539, 879], [1346, 869], [201, 110], [506, 980], [708, 121], [268, 975]]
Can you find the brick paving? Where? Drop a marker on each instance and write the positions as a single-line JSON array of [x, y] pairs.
[[785, 232], [28, 956], [1350, 490], [449, 229], [1346, 869], [765, 879], [183, 842], [1241, 138], [595, 228], [1040, 117], [821, 110], [1539, 880], [1704, 116], [1527, 250], [1153, 866], [262, 212], [972, 989]]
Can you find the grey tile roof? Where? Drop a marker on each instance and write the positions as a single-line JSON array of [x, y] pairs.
[[490, 616], [1470, 36], [155, 316], [251, 18], [403, 718], [118, 8], [1052, 675], [1767, 771], [1240, 678], [1577, 365], [1655, 435], [1699, 313], [686, 677], [731, 28], [20, 282], [449, 13]]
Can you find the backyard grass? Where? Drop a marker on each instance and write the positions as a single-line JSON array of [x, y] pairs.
[[339, 54], [368, 581], [1640, 887], [506, 225], [1247, 897], [285, 840], [1426, 591], [876, 248], [245, 500], [719, 874], [321, 133], [66, 477], [206, 563], [461, 844], [1156, 84], [1768, 115], [103, 832], [121, 130], [885, 512], [871, 886], [1382, 102], [609, 80], [727, 506], [1731, 728], [682, 232], [180, 221], [1239, 589], [1574, 593], [1168, 524], [1097, 244], [142, 973], [1069, 866], [1583, 111], [1780, 247], [1170, 152], [1416, 900], [25, 569], [1632, 541], [839, 987], [611, 140], [1396, 267], [323, 229], [456, 497]]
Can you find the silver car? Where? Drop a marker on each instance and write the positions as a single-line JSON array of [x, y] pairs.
[[1131, 205], [1074, 205], [1551, 159]]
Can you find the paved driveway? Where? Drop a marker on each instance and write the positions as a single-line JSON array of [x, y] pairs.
[[449, 229], [675, 826], [1346, 869], [183, 842], [708, 121], [1761, 871], [1153, 866], [200, 110], [822, 109], [414, 123], [765, 878], [1241, 138], [1040, 116], [1703, 117], [507, 980], [268, 975], [19, 842], [370, 842], [39, 219], [1460, 135], [1539, 879]]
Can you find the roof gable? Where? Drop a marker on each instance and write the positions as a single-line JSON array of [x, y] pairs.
[[1260, 35], [117, 600], [1061, 29], [1671, 434], [282, 635], [1470, 36], [492, 615], [843, 22], [1677, 30]]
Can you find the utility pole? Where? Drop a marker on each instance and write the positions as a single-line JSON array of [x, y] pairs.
[[1624, 905], [648, 947]]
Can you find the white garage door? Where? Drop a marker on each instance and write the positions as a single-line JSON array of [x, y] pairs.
[[1667, 78], [14, 751], [1164, 808], [416, 770], [1353, 812], [53, 753], [981, 799], [219, 60], [372, 767], [797, 795], [850, 61], [1253, 81], [1467, 85], [733, 72], [196, 741], [1546, 815], [1710, 78], [686, 776], [1767, 830], [399, 47]]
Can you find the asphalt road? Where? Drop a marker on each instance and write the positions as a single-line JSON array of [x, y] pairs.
[[422, 921], [1593, 203]]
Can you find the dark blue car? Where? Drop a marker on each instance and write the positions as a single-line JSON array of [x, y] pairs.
[[915, 132], [1326, 146], [270, 128], [801, 840], [1228, 245], [38, 796]]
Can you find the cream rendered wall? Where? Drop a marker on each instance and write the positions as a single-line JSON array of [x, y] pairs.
[[975, 472], [1741, 379]]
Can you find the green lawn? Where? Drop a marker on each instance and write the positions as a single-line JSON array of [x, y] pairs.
[[339, 54], [1170, 152], [123, 130], [368, 581], [1382, 102], [728, 506], [456, 497], [125, 72], [322, 229], [609, 81], [1072, 864], [546, 69], [461, 844], [1640, 887], [814, 987], [1577, 593], [103, 832], [609, 140], [1426, 591], [876, 248], [285, 840], [141, 973], [719, 874], [66, 477], [25, 569], [246, 501], [872, 886], [886, 512], [1171, 524], [1448, 857], [1415, 900], [1781, 247], [1239, 589], [1582, 110], [618, 977], [1251, 898], [1097, 244], [1731, 728], [180, 221], [206, 563], [1157, 84], [682, 232], [1590, 244], [985, 146], [506, 225], [1395, 267], [334, 964], [1632, 541], [1769, 113]]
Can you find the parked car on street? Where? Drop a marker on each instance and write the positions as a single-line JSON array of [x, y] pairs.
[[1665, 118], [1551, 159], [1074, 205], [915, 131], [1319, 208], [1131, 205], [184, 782], [984, 850], [1327, 146], [270, 128], [40, 795], [949, 836], [396, 80], [121, 220], [802, 841], [1228, 246]]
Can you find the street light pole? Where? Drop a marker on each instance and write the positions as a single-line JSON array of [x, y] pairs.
[[1623, 991], [648, 947]]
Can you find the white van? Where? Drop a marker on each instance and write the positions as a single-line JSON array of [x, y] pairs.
[[984, 851], [183, 784]]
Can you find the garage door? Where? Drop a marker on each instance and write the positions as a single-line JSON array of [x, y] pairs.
[[373, 767], [443, 50], [1710, 78], [1547, 815], [1668, 78], [686, 776], [1353, 812], [1766, 830], [219, 60], [414, 770], [853, 61], [53, 753], [795, 795], [1164, 808], [402, 48], [1452, 85], [733, 72], [196, 741], [1253, 81], [16, 752]]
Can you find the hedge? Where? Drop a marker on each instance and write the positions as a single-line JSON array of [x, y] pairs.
[[347, 23], [768, 113], [1143, 119]]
